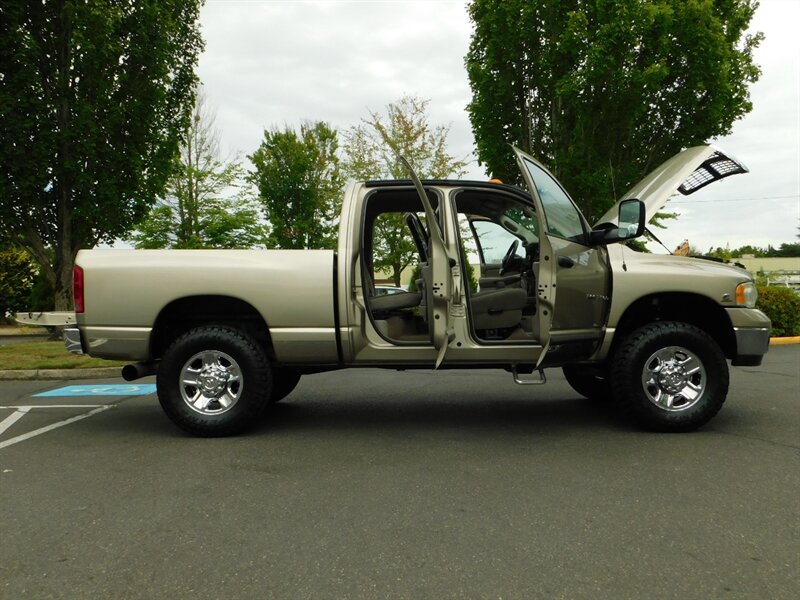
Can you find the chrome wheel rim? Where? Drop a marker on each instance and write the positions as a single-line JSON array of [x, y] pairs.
[[674, 379], [211, 382]]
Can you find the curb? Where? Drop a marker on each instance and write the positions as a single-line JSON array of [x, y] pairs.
[[60, 374], [784, 341]]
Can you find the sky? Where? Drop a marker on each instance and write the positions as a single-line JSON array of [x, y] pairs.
[[271, 63]]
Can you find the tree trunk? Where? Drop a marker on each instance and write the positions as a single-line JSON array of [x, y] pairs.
[[62, 290], [397, 271]]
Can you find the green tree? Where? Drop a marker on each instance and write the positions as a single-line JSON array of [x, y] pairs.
[[17, 277], [371, 149], [198, 210], [603, 92], [94, 95], [785, 249], [721, 253], [748, 249], [299, 185]]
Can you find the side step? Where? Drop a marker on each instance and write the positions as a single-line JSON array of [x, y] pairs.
[[541, 381]]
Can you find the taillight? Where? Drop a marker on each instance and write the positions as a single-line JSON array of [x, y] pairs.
[[77, 289]]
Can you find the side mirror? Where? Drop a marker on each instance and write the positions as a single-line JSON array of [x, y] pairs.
[[631, 223], [632, 219]]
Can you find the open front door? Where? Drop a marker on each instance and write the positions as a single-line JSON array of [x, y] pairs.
[[444, 286], [546, 277]]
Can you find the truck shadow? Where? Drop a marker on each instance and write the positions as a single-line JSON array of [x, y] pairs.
[[416, 415]]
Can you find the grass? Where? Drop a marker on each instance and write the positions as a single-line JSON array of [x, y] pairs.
[[47, 355]]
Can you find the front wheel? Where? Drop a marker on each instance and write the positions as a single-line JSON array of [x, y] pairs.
[[214, 381], [670, 376]]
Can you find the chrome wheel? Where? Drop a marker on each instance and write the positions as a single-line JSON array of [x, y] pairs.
[[674, 379], [669, 376], [211, 382]]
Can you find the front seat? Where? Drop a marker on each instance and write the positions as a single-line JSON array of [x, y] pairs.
[[498, 308]]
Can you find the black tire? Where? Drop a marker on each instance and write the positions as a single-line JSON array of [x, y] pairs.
[[670, 376], [589, 381], [283, 383], [214, 381]]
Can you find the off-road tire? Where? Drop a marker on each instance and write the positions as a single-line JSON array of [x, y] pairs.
[[206, 368], [669, 363]]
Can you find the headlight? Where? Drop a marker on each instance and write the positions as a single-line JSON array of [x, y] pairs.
[[746, 294]]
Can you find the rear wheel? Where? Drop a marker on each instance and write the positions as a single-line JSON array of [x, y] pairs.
[[670, 376], [214, 381]]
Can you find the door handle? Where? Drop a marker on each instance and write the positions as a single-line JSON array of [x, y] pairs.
[[566, 262]]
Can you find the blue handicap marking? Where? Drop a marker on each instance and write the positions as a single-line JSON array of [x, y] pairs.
[[130, 389]]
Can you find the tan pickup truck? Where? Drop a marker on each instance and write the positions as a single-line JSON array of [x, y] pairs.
[[228, 332]]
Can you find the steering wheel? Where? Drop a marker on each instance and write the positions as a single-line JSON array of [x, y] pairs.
[[512, 251]]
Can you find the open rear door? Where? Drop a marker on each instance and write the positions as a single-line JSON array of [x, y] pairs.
[[445, 281]]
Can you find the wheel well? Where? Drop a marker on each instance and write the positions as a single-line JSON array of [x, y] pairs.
[[694, 309], [184, 314]]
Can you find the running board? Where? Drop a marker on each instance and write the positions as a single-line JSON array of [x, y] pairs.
[[541, 381]]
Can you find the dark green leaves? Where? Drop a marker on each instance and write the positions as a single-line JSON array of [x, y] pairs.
[[299, 185], [94, 97], [603, 92]]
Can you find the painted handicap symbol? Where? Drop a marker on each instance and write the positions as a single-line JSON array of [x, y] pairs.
[[130, 389]]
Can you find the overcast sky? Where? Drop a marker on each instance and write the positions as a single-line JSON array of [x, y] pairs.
[[274, 63]]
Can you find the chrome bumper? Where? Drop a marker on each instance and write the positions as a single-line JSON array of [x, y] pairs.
[[72, 340]]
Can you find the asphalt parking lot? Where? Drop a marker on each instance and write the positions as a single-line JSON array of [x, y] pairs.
[[377, 484]]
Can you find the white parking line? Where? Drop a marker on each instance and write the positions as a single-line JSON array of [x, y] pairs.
[[13, 418], [22, 410]]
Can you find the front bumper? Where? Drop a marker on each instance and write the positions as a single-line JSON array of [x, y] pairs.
[[752, 330]]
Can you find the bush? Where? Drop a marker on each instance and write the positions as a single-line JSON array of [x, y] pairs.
[[17, 275], [782, 306]]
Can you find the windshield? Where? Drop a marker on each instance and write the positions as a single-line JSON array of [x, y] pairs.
[[495, 237], [563, 218]]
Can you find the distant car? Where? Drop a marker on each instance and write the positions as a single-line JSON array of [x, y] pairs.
[[388, 290]]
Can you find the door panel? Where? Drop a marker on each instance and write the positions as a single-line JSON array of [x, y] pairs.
[[580, 271], [445, 281], [583, 286]]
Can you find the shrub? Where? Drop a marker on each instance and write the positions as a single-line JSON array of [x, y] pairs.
[[782, 306], [17, 275]]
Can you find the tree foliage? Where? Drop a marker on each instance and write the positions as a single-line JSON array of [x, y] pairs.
[[199, 210], [371, 149], [785, 250], [406, 125], [94, 95], [602, 91], [17, 277], [299, 185]]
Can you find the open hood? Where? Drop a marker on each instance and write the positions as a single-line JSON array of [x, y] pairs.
[[686, 172]]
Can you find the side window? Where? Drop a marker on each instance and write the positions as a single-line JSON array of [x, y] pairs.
[[563, 218], [493, 240]]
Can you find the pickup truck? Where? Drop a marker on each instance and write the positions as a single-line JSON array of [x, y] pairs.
[[227, 332]]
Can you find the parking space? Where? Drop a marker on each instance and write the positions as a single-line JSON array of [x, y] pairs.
[[42, 411], [376, 484]]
